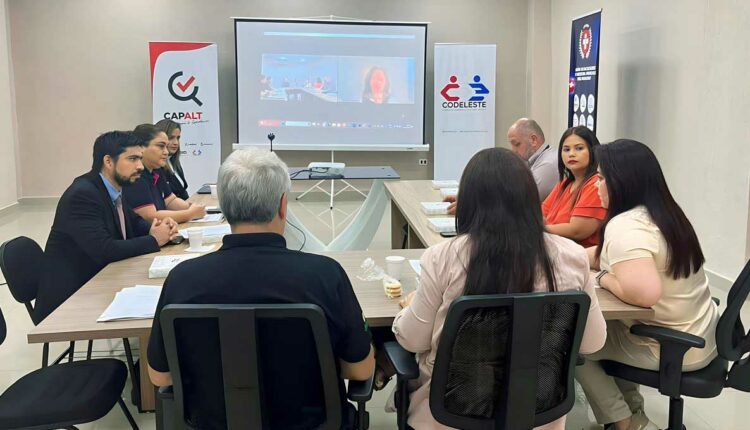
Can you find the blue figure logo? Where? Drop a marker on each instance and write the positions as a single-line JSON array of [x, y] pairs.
[[479, 90]]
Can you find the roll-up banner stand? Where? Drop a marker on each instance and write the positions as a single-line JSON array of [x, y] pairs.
[[584, 71], [185, 88], [464, 105]]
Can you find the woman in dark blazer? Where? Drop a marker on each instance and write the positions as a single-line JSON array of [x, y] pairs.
[[175, 175]]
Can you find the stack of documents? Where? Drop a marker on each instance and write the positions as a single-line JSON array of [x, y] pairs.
[[133, 303], [435, 208], [163, 264], [211, 234], [436, 185], [442, 225], [448, 192], [210, 218]]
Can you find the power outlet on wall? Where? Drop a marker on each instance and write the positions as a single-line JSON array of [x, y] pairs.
[[422, 161]]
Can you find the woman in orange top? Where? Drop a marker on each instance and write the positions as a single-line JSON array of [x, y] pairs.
[[573, 208]]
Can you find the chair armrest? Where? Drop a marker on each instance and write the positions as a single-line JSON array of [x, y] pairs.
[[360, 391], [673, 345], [666, 336], [402, 360], [165, 393]]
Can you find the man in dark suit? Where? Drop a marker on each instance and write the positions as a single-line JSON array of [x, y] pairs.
[[93, 227]]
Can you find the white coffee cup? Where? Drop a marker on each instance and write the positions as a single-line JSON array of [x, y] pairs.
[[394, 264], [195, 236], [214, 193]]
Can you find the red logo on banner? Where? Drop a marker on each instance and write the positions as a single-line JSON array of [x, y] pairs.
[[183, 87], [452, 86], [186, 85], [572, 85], [584, 42]]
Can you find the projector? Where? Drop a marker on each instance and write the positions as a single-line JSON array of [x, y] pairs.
[[326, 168]]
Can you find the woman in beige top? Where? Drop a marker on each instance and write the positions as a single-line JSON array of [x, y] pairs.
[[650, 257], [502, 247]]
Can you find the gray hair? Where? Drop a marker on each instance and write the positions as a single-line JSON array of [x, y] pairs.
[[529, 127], [251, 183]]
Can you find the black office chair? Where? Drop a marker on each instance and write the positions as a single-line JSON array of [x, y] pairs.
[[732, 344], [504, 361], [63, 395], [21, 261], [242, 333]]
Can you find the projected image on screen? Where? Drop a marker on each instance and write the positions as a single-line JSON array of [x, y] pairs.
[[316, 78], [329, 83]]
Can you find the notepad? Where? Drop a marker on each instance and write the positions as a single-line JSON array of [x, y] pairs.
[[211, 234], [442, 225], [435, 208], [448, 192], [210, 218], [163, 264], [132, 303], [444, 184]]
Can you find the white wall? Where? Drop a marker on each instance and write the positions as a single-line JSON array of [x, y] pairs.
[[81, 68], [674, 75], [8, 183]]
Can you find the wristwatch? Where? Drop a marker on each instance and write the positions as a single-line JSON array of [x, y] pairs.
[[599, 277]]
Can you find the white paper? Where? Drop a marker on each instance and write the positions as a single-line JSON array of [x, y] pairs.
[[444, 184], [416, 266], [448, 192], [210, 218], [211, 234], [131, 303], [163, 264], [435, 208], [442, 225]]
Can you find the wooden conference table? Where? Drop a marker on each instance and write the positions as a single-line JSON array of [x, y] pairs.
[[76, 318]]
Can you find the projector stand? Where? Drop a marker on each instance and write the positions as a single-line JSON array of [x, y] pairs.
[[332, 193]]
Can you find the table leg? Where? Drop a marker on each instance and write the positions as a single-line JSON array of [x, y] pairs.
[[397, 225], [148, 395]]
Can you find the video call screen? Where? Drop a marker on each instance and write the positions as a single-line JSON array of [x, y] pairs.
[[325, 83]]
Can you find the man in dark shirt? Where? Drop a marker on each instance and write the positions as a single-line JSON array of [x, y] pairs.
[[254, 266], [93, 225]]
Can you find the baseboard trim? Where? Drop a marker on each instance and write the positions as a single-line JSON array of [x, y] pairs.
[[9, 210], [719, 281], [36, 201]]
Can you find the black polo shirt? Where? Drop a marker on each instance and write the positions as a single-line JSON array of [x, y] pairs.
[[257, 268], [151, 189]]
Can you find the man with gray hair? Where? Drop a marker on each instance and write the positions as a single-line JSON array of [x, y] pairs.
[[526, 139], [254, 266]]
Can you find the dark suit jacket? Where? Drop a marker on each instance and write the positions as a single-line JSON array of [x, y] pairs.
[[85, 237], [175, 183]]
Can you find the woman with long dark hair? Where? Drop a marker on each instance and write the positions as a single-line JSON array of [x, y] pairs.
[[377, 89], [573, 208], [650, 256], [501, 248], [173, 168], [151, 197]]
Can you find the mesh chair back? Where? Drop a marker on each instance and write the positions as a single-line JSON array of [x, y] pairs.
[[732, 341], [507, 361], [21, 261], [240, 337]]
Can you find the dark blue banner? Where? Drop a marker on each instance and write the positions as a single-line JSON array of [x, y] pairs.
[[583, 80]]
